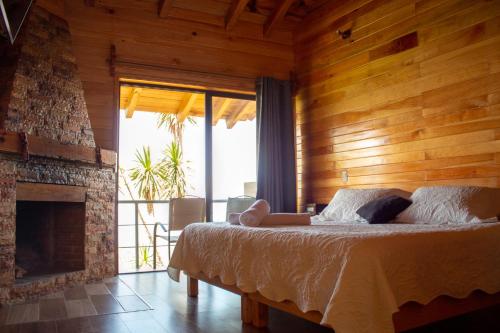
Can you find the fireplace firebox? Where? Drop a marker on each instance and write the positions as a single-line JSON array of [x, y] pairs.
[[49, 238], [50, 230]]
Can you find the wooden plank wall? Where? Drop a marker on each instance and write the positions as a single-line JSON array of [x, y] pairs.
[[412, 98], [142, 37]]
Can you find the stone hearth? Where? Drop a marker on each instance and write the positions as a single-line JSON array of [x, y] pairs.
[[41, 95]]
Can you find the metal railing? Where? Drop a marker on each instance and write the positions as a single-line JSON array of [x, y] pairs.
[[136, 223]]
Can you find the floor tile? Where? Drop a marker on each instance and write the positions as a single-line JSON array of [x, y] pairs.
[[96, 289], [23, 313], [16, 314], [75, 293], [4, 312], [38, 327], [80, 308], [132, 303], [145, 326], [52, 309], [74, 325], [135, 315], [59, 294], [105, 304], [119, 289], [108, 323]]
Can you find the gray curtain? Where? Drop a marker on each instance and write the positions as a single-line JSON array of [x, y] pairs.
[[276, 175]]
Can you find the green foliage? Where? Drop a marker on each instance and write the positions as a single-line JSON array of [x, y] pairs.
[[173, 171], [166, 178], [148, 177], [145, 257]]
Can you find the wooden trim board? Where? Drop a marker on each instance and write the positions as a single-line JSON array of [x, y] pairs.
[[410, 315], [50, 192], [11, 142]]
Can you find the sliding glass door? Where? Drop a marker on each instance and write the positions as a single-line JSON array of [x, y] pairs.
[[161, 156], [233, 151], [177, 142]]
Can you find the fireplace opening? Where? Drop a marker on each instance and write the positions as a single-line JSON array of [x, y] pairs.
[[49, 238]]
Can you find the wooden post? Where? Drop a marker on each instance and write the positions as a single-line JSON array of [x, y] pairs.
[[259, 314], [246, 309], [192, 287]]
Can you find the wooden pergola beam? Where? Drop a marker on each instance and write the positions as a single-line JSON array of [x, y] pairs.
[[277, 15], [185, 107], [252, 115], [220, 112], [237, 7], [164, 7], [132, 102], [239, 115]]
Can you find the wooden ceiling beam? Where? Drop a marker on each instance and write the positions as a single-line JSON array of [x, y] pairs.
[[277, 15], [133, 99], [185, 106], [239, 115], [220, 112], [253, 114], [164, 7], [237, 7]]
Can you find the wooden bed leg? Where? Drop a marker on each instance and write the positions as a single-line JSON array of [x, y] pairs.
[[260, 314], [246, 309], [192, 287]]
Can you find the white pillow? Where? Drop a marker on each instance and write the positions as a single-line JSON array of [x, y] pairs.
[[345, 203], [452, 205]]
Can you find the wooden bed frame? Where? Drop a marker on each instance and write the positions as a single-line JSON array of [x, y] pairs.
[[254, 306]]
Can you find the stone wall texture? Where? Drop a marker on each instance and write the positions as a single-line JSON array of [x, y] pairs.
[[41, 94], [42, 86]]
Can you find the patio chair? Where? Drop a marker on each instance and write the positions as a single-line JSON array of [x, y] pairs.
[[182, 212], [238, 204]]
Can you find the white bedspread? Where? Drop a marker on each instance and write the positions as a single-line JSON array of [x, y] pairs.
[[356, 275]]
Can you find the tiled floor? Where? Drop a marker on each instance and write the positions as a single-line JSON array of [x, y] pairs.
[[214, 311], [108, 297]]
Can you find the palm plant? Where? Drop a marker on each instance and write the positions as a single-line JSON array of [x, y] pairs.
[[173, 125], [174, 175], [145, 257], [148, 177]]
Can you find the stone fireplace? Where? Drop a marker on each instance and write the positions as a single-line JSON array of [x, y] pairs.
[[57, 192]]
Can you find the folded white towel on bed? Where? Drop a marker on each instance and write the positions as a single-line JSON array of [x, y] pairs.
[[234, 218], [253, 216], [286, 219]]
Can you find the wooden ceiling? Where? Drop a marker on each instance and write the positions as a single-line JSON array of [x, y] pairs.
[[184, 104], [227, 13]]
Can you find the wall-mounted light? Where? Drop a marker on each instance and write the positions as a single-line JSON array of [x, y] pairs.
[[344, 33]]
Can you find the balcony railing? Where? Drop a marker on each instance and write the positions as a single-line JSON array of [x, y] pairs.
[[135, 231]]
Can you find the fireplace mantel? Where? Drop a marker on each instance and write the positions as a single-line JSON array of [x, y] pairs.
[[26, 145], [50, 192]]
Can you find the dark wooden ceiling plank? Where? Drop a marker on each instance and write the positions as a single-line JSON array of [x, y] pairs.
[[237, 7], [278, 15]]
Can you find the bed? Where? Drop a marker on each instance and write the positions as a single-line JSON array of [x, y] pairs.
[[355, 275], [352, 277]]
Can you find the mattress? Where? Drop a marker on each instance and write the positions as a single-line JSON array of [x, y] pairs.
[[356, 275]]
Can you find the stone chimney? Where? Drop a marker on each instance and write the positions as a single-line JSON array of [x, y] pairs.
[[57, 197]]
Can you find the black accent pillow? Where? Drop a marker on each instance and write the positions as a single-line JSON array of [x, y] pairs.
[[383, 210]]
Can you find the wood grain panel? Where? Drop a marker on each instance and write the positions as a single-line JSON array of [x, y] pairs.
[[183, 48], [411, 99]]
